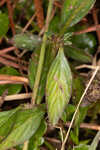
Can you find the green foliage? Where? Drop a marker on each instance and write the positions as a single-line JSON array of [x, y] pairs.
[[22, 124], [77, 89], [69, 111], [95, 141], [77, 54], [86, 42], [54, 25], [74, 137], [81, 147], [4, 22], [33, 69], [58, 87], [37, 139], [73, 11], [12, 88]]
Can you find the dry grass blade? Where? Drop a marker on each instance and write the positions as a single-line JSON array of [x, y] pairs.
[[67, 135]]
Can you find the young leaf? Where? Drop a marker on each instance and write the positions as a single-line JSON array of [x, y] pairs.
[[58, 87], [4, 22], [74, 10], [81, 147], [77, 54], [24, 126]]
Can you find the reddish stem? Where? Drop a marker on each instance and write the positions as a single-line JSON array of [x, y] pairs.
[[90, 29], [10, 13], [95, 18], [2, 2], [10, 63], [7, 50], [12, 79]]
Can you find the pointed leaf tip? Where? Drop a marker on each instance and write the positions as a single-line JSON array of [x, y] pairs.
[[58, 87]]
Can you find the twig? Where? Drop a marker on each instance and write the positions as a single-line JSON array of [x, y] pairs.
[[39, 13], [10, 82], [29, 22], [3, 51], [16, 79], [86, 66], [87, 126], [90, 29], [17, 96], [2, 2], [66, 137], [95, 18], [42, 54], [10, 63], [25, 147], [58, 4], [10, 13], [53, 140], [14, 58]]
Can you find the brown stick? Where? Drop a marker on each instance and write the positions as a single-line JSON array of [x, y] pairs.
[[90, 29], [7, 50], [2, 2], [14, 58], [10, 82], [10, 63], [10, 13], [95, 18], [17, 96], [29, 22], [39, 13], [57, 4], [13, 79], [87, 126]]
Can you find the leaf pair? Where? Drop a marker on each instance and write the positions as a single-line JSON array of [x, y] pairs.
[[17, 126]]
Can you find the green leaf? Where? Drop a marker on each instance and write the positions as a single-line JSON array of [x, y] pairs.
[[12, 88], [33, 64], [37, 139], [74, 137], [95, 142], [7, 120], [26, 41], [58, 87], [77, 54], [81, 114], [54, 24], [86, 42], [67, 115], [77, 89], [25, 125], [4, 22], [74, 10], [81, 147]]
